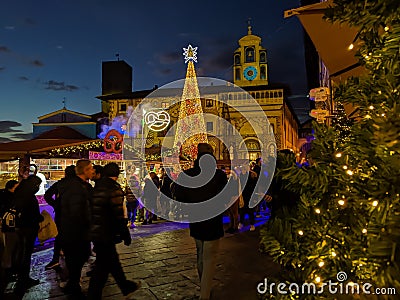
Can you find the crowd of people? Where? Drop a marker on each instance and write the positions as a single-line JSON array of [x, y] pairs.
[[95, 217]]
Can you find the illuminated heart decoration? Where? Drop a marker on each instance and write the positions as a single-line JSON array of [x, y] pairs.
[[157, 120]]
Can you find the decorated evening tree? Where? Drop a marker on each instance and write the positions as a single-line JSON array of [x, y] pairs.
[[191, 129], [348, 218]]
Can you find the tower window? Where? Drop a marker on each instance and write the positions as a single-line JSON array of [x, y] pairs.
[[237, 74], [237, 59], [263, 56], [250, 54], [210, 126], [209, 103], [122, 107], [263, 73]]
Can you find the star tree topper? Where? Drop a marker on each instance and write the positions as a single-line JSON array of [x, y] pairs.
[[190, 53]]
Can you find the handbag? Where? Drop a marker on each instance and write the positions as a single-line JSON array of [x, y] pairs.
[[48, 228], [8, 220]]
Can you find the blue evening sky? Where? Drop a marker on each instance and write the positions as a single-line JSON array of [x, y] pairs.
[[54, 49]]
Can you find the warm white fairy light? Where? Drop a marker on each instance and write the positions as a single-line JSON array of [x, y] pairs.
[[351, 46], [375, 203], [349, 172], [333, 253], [345, 167], [300, 232], [318, 279], [386, 28], [364, 231], [317, 210], [338, 154], [341, 202], [371, 107], [321, 264]]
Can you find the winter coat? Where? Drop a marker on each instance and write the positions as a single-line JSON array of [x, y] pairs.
[[108, 224], [211, 229], [75, 195], [26, 204]]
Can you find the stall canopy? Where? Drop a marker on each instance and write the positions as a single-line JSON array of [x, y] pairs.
[[332, 41], [61, 136]]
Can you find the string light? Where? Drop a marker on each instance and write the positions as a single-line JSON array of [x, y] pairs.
[[351, 46], [341, 202], [333, 253], [69, 150], [375, 203], [321, 264], [364, 231], [338, 154], [317, 210], [349, 172], [301, 232]]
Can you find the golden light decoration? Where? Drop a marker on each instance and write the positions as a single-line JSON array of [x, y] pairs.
[[68, 150]]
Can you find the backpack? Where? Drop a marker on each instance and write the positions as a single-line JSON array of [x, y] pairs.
[[8, 220]]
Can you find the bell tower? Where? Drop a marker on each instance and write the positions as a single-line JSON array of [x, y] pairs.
[[250, 67]]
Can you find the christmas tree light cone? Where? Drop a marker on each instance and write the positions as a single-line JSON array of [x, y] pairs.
[[191, 129]]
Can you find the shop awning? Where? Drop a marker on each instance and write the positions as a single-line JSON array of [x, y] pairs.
[[332, 41], [15, 150]]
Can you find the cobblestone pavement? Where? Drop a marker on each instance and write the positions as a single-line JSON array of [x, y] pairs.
[[163, 257]]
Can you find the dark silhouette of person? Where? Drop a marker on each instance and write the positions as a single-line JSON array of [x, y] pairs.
[[206, 233], [52, 197], [108, 227]]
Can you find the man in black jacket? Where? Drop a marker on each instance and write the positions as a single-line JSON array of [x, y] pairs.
[[52, 197], [205, 233], [75, 194], [108, 228]]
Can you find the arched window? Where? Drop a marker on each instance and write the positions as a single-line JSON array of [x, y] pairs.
[[237, 59], [250, 54], [263, 56]]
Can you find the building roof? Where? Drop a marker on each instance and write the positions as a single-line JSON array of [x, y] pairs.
[[64, 132], [60, 136], [63, 110]]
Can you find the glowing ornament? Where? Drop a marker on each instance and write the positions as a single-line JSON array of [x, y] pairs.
[[190, 54], [157, 120]]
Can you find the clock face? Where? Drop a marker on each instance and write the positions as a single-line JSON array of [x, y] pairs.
[[250, 73]]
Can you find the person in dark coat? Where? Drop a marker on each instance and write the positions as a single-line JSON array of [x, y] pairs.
[[27, 227], [8, 240], [75, 194], [250, 178], [108, 228], [150, 196], [52, 197], [165, 190], [132, 190], [205, 233]]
